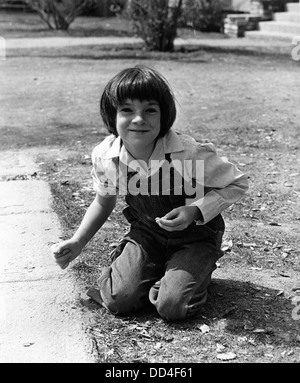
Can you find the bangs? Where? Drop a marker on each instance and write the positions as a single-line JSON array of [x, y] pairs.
[[135, 85]]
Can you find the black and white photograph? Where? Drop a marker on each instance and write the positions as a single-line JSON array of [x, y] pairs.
[[150, 185]]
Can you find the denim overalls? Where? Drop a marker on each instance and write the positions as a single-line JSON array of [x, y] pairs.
[[172, 270]]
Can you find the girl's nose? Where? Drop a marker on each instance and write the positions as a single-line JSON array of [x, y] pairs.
[[138, 118]]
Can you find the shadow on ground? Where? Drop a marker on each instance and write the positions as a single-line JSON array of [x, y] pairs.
[[235, 308], [244, 308]]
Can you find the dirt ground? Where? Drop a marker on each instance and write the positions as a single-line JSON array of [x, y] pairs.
[[246, 104]]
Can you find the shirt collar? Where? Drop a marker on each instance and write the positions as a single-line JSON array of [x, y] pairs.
[[114, 150], [171, 143]]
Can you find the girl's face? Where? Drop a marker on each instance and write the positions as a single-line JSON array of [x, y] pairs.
[[138, 124]]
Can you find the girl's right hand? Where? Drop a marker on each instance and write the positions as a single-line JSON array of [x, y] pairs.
[[65, 252]]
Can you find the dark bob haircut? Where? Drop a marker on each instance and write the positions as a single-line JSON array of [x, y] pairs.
[[140, 83]]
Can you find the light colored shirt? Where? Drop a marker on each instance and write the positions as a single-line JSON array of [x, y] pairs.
[[225, 183]]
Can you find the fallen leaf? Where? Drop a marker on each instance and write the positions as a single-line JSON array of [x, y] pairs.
[[242, 339], [204, 328], [226, 356], [284, 274], [227, 245], [169, 338], [296, 286], [132, 327], [28, 344], [145, 335], [257, 288], [287, 250], [220, 348], [249, 245], [109, 353], [248, 325]]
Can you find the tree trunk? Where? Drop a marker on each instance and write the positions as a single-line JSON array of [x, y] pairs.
[[156, 22], [61, 23]]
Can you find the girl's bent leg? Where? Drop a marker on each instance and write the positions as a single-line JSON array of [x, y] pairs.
[[125, 285], [183, 289]]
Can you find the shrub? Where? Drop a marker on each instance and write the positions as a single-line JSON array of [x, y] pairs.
[[59, 14], [155, 21], [203, 15]]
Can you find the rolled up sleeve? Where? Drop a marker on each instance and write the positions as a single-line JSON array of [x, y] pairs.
[[224, 183]]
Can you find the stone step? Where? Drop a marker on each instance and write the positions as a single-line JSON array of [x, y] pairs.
[[280, 27], [293, 7], [293, 17], [272, 36]]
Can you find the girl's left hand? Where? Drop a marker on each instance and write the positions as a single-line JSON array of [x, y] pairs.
[[179, 218]]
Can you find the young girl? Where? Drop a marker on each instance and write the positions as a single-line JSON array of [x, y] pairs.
[[174, 241]]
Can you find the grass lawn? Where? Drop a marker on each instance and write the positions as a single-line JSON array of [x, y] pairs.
[[248, 106], [20, 25]]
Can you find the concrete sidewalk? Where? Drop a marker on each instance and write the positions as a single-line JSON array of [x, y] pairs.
[[51, 42], [40, 320], [137, 43]]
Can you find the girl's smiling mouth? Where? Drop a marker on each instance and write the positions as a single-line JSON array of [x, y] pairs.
[[138, 130]]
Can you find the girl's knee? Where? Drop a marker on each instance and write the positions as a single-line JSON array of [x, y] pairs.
[[120, 300], [172, 308], [176, 307], [169, 303], [119, 303], [117, 297]]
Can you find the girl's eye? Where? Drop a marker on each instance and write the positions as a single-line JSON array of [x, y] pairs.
[[152, 110], [126, 110]]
